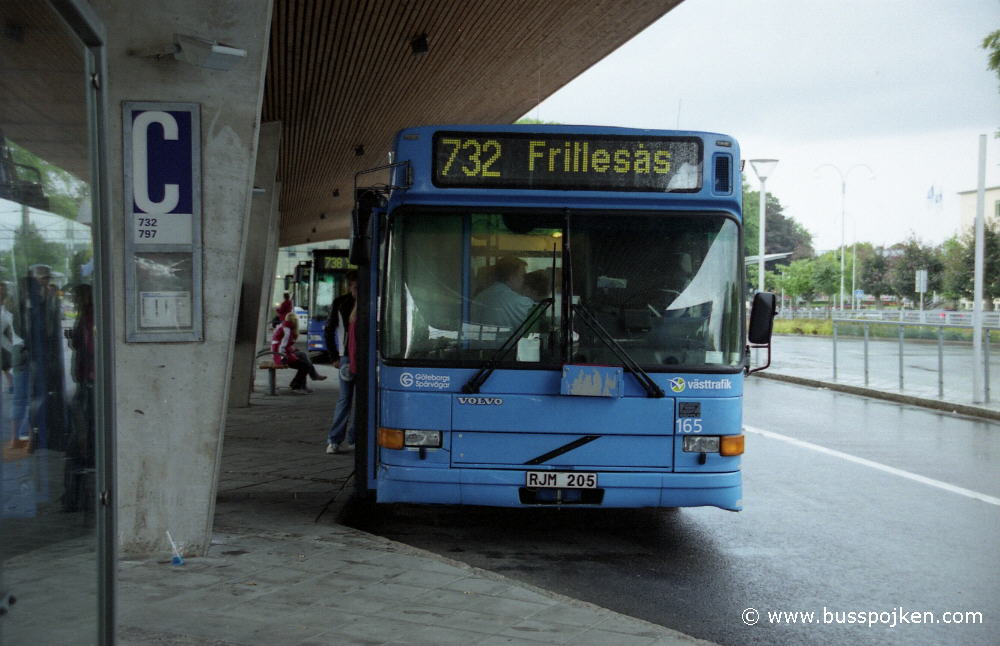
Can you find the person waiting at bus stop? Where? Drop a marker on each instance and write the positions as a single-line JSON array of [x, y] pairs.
[[284, 352], [283, 308], [335, 329], [340, 335]]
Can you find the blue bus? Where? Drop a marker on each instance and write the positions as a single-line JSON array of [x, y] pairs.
[[328, 281], [555, 315], [314, 285]]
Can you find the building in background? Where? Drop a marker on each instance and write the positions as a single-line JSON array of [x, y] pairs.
[[967, 208]]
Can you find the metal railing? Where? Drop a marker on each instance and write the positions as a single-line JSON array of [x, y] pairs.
[[929, 317], [940, 327]]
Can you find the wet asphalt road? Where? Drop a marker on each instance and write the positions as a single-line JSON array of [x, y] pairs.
[[818, 532]]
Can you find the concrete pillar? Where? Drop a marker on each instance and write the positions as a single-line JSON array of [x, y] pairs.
[[263, 219], [266, 311], [171, 397]]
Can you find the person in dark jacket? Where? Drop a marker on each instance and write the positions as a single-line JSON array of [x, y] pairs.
[[338, 341], [335, 330]]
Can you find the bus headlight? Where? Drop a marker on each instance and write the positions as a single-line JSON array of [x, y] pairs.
[[425, 439], [701, 443]]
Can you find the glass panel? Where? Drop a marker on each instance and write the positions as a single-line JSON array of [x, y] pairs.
[[47, 334], [165, 283], [459, 285], [666, 288]]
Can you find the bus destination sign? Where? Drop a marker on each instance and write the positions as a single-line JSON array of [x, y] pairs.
[[556, 161]]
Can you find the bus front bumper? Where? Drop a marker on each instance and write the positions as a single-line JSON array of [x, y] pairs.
[[506, 488]]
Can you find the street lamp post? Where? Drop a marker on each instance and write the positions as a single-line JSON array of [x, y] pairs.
[[843, 195], [763, 168], [854, 273]]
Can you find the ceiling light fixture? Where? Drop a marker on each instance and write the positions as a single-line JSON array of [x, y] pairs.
[[200, 52], [419, 45]]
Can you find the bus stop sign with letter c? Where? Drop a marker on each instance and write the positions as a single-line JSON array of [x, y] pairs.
[[162, 199]]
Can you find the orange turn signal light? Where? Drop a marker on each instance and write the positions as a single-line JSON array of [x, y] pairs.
[[390, 438], [731, 445]]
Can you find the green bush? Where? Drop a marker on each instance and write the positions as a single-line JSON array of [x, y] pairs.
[[804, 327], [817, 327]]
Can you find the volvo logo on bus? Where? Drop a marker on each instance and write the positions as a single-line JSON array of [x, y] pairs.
[[481, 401]]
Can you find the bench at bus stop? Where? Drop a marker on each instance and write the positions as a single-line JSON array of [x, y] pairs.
[[271, 367]]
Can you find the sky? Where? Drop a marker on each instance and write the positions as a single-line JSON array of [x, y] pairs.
[[899, 86]]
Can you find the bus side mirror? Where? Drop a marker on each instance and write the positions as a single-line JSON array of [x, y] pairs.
[[761, 325], [358, 252], [762, 314], [365, 201]]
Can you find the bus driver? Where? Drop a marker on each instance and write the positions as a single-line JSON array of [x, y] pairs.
[[502, 303]]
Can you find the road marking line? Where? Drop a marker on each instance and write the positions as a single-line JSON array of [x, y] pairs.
[[968, 493]]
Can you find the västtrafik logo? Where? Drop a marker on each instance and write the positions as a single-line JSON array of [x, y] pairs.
[[680, 385]]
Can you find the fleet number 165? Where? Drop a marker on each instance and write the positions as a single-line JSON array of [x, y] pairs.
[[689, 425]]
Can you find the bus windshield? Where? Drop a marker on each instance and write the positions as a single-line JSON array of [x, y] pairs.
[[665, 287]]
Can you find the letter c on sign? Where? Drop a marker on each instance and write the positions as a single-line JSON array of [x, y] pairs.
[[140, 170]]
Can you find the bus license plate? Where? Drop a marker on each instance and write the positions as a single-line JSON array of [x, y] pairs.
[[560, 480]]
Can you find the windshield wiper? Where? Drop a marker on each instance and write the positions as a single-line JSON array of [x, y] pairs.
[[473, 385], [651, 387]]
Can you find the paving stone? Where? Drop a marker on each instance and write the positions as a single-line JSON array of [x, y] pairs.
[[549, 632], [273, 576], [597, 637]]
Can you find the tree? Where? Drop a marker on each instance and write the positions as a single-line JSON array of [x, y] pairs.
[[783, 233], [991, 260], [992, 46], [796, 279], [826, 275], [64, 190], [772, 281], [956, 275], [873, 270], [910, 256], [858, 254], [30, 248], [960, 264]]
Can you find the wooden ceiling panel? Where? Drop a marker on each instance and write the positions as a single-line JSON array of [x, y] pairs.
[[341, 74]]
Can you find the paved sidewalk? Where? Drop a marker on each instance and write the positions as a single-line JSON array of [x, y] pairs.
[[809, 361], [274, 576]]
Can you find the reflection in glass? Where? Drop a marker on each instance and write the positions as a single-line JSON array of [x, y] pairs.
[[459, 285], [166, 283], [47, 334], [665, 287]]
